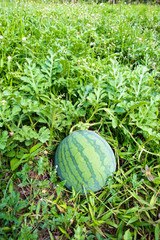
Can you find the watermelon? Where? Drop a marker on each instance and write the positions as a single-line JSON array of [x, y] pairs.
[[85, 161]]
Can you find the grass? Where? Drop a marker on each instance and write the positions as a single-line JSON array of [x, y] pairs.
[[69, 67]]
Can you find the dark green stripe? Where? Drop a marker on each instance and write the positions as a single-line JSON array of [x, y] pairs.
[[74, 164], [57, 160], [107, 153], [89, 165], [104, 169], [66, 168], [61, 168], [103, 153], [102, 140], [66, 161]]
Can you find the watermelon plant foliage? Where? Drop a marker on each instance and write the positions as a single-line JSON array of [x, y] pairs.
[[66, 67], [85, 161]]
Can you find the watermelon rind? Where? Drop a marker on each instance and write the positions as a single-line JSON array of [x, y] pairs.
[[85, 161]]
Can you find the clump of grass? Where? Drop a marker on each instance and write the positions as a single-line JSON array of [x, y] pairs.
[[79, 66]]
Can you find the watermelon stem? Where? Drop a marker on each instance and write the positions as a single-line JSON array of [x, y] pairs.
[[140, 146]]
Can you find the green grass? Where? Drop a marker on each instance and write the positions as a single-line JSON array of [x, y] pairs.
[[65, 67]]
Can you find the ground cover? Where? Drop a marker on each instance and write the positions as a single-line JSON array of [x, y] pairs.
[[65, 67]]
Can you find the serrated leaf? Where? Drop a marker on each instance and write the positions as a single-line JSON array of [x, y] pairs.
[[11, 153], [26, 133], [16, 110], [44, 134]]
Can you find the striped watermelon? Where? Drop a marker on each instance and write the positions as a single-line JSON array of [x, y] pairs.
[[85, 160]]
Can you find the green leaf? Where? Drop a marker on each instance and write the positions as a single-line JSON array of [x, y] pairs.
[[3, 139], [14, 163], [157, 180], [6, 229], [38, 207], [133, 219], [106, 216], [119, 232], [64, 232], [127, 235], [132, 210], [83, 219], [44, 134], [114, 122], [26, 133], [157, 232], [41, 165], [51, 236], [16, 110], [11, 153], [91, 212], [35, 147], [111, 223], [11, 186], [153, 199], [79, 233]]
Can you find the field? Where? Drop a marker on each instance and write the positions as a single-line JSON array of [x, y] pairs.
[[66, 67]]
